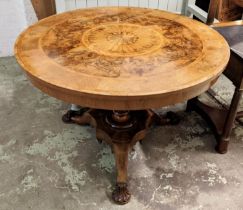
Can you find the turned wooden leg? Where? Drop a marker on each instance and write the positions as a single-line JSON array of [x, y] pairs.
[[121, 195], [222, 146]]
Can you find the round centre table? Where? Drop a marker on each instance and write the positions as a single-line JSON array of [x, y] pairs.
[[121, 62]]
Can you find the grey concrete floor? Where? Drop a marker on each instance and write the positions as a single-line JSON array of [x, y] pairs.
[[48, 165]]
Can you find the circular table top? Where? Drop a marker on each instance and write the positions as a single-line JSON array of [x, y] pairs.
[[121, 58]]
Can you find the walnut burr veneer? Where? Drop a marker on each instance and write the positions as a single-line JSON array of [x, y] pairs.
[[121, 62]]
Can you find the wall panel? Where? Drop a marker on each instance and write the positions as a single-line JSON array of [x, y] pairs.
[[170, 5]]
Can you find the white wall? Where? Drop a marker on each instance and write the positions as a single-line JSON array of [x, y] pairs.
[[15, 16], [170, 5]]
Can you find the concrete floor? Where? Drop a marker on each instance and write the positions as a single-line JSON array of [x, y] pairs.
[[48, 165]]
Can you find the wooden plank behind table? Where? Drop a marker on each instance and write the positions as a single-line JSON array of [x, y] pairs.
[[44, 8]]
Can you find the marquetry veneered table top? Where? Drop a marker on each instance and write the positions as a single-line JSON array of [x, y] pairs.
[[121, 58]]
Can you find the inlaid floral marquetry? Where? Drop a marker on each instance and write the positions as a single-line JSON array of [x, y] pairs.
[[122, 40], [118, 40], [125, 57]]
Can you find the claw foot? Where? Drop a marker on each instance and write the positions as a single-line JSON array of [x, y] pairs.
[[121, 195]]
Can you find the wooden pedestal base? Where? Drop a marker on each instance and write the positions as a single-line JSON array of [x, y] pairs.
[[121, 130]]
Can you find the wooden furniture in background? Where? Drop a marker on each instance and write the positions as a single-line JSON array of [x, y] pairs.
[[128, 60], [222, 120], [233, 33], [225, 10], [228, 10], [44, 8], [214, 5], [238, 2]]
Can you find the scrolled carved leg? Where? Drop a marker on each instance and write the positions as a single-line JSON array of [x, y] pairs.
[[171, 118], [67, 117], [121, 130], [121, 194]]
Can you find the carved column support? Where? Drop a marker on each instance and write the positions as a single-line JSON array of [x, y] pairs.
[[121, 130]]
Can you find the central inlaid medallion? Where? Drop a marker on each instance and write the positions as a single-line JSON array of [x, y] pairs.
[[122, 39]]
